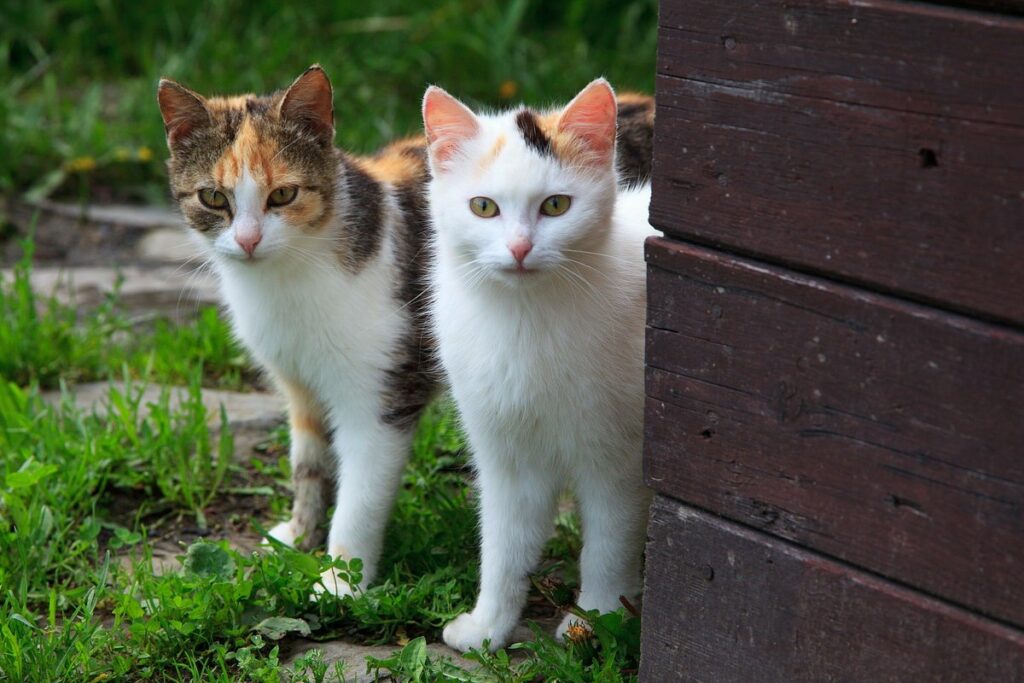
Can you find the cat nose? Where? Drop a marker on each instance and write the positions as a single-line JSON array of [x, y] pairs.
[[520, 248], [248, 241], [248, 235]]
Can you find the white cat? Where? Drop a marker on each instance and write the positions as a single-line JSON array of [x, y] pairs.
[[538, 307]]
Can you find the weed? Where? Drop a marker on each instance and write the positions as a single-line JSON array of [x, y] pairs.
[[43, 340]]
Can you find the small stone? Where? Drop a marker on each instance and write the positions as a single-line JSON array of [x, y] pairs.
[[255, 410], [118, 214], [162, 290]]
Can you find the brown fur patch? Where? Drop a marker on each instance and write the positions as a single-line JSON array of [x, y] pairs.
[[635, 141], [307, 470]]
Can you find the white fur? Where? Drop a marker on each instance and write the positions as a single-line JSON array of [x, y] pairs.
[[316, 325], [546, 367]]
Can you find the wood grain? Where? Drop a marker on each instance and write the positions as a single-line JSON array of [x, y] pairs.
[[836, 137], [881, 432], [1005, 6], [724, 603]]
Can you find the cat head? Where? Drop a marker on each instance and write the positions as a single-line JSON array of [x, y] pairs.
[[252, 174], [516, 193]]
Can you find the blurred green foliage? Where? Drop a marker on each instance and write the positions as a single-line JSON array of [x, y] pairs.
[[78, 78]]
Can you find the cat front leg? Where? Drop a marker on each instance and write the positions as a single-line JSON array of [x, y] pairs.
[[517, 507], [613, 504], [311, 469], [371, 459]]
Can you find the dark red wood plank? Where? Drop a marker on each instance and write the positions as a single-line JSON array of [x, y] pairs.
[[878, 431], [838, 137], [901, 56], [1007, 6], [724, 603]]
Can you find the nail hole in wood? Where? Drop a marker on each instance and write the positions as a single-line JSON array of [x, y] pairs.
[[929, 159]]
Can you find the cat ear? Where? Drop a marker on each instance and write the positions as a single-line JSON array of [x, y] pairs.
[[447, 122], [591, 118], [183, 110], [310, 103]]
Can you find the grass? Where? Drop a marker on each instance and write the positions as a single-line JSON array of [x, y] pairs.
[[77, 80], [81, 493]]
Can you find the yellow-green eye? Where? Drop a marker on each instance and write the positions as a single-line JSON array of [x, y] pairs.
[[282, 196], [213, 199], [555, 205], [485, 207]]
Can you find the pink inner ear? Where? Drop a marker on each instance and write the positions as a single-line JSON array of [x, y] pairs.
[[591, 117], [447, 122]]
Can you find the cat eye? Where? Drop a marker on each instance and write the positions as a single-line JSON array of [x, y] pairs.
[[282, 196], [213, 199], [485, 207], [555, 205]]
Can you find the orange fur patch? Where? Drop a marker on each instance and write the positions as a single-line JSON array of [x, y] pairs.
[[218, 104], [305, 211], [492, 154], [304, 412], [398, 163], [627, 98], [569, 149]]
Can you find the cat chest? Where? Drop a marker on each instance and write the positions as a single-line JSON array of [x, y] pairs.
[[526, 374], [316, 330]]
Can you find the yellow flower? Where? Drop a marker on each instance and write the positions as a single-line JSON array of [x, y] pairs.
[[577, 632], [80, 164], [145, 154], [507, 90], [122, 154]]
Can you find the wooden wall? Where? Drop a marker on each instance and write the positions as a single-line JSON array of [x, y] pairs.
[[835, 346]]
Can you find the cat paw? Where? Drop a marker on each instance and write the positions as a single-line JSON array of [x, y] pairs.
[[466, 632], [284, 533], [331, 583]]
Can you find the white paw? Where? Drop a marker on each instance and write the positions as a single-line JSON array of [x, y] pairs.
[[283, 532], [465, 632], [331, 583]]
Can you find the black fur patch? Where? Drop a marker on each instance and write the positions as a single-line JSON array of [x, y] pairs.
[[258, 105], [634, 145], [413, 379], [531, 132], [417, 152], [362, 216]]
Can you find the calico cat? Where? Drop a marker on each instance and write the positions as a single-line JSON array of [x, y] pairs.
[[321, 259], [538, 304]]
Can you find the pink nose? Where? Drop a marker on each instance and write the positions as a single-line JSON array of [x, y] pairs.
[[248, 241], [520, 248]]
